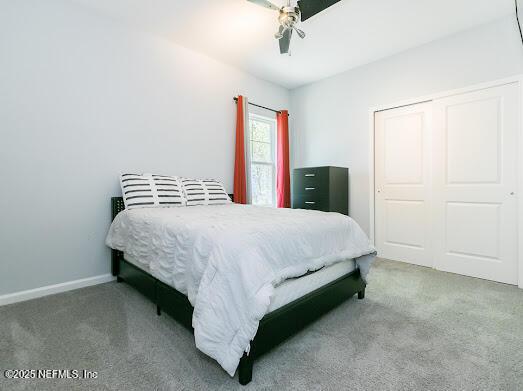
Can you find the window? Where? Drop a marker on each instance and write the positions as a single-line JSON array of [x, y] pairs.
[[263, 158]]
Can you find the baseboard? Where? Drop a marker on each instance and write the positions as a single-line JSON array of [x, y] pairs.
[[53, 289]]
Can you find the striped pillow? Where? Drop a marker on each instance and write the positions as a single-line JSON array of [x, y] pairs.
[[151, 191], [204, 192]]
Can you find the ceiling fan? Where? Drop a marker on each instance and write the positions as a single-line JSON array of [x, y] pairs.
[[289, 16]]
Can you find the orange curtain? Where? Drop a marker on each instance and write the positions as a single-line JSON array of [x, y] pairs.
[[240, 180], [283, 182]]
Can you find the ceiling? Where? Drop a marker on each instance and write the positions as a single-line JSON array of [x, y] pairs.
[[348, 34]]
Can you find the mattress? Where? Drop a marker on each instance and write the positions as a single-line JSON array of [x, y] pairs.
[[289, 290]]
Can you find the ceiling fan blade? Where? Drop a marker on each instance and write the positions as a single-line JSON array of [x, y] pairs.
[[279, 34], [266, 4], [309, 8], [285, 41]]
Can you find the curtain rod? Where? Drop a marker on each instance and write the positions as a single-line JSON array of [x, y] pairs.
[[261, 107]]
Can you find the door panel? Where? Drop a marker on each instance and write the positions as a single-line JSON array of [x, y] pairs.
[[403, 221], [473, 229], [403, 149], [473, 134], [402, 163], [474, 181]]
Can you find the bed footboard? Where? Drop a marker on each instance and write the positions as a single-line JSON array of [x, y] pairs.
[[288, 320]]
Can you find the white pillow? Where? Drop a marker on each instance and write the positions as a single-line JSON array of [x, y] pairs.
[[151, 191], [204, 192]]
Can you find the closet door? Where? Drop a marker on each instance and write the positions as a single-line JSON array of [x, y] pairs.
[[475, 181], [402, 184]]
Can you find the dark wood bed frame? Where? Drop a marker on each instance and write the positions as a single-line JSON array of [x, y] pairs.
[[274, 328]]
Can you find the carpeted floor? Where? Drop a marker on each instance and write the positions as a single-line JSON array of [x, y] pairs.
[[417, 329]]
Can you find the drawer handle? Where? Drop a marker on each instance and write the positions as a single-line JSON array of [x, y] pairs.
[[310, 188], [310, 174], [310, 202]]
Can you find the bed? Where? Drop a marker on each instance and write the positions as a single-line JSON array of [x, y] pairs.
[[150, 254]]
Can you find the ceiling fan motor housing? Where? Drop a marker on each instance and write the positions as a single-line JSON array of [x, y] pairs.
[[289, 16]]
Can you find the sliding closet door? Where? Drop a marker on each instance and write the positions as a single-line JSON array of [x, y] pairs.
[[475, 181], [402, 184]]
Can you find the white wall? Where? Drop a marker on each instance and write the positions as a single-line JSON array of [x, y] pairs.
[[83, 98], [330, 118]]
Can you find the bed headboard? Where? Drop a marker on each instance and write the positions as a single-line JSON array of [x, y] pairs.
[[117, 205]]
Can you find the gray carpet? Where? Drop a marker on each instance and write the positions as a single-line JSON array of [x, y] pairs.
[[417, 329]]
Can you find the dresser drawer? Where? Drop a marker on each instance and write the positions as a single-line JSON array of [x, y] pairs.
[[309, 190], [309, 202]]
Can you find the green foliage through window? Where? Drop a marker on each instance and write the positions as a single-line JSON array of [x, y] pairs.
[[262, 135]]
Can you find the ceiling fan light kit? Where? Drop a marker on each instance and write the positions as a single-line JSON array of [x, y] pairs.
[[289, 16]]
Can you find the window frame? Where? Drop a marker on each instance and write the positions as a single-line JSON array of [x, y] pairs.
[[273, 125]]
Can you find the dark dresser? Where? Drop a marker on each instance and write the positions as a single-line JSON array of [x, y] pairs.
[[321, 188]]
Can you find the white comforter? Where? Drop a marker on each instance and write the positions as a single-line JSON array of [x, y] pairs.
[[228, 258]]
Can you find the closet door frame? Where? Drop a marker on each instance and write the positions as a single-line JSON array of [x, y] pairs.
[[429, 98]]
